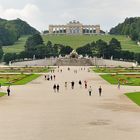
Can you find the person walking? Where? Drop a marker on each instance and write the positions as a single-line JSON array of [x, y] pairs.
[[100, 91], [54, 87], [8, 90], [90, 91], [54, 77], [72, 84], [48, 78], [85, 84], [51, 78], [58, 88], [45, 77], [80, 83], [66, 84]]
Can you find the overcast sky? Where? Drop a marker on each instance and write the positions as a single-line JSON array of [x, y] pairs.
[[41, 13]]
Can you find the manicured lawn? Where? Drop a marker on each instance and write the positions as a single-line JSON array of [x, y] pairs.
[[135, 97], [24, 69], [26, 79], [75, 42], [115, 70], [78, 41], [17, 47], [125, 79], [2, 94], [17, 79]]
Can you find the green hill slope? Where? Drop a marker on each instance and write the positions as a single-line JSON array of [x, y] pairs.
[[130, 27], [11, 30], [77, 41]]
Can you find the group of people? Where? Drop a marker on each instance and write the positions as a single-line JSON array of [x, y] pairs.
[[56, 87], [80, 83], [50, 77], [52, 71], [90, 91]]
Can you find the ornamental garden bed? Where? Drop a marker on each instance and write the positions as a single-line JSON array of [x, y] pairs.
[[124, 79], [17, 79]]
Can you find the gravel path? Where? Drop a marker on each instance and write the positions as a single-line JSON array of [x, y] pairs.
[[35, 112]]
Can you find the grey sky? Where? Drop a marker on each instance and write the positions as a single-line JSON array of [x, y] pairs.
[[41, 13]]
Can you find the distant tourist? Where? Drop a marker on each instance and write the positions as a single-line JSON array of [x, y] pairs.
[[80, 83], [8, 90], [90, 91], [58, 88], [45, 77], [85, 84], [48, 78], [54, 87], [51, 77], [54, 77], [75, 71], [66, 84], [100, 91], [72, 84]]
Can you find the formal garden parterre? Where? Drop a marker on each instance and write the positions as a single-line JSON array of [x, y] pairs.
[[16, 79], [123, 79], [25, 69], [116, 69]]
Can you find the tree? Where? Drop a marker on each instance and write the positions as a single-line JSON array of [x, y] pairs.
[[126, 55], [131, 27], [114, 48], [65, 50], [137, 57], [85, 50], [101, 48], [1, 52], [33, 41], [11, 30], [10, 57]]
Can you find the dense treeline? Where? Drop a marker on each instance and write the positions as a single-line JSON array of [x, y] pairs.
[[35, 47], [109, 50], [130, 27], [11, 30]]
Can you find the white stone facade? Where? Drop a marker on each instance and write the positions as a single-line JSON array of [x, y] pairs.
[[74, 28]]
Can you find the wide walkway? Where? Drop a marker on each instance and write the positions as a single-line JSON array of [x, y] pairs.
[[35, 112]]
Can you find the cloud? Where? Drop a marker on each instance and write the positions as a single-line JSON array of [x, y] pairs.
[[30, 13], [41, 13]]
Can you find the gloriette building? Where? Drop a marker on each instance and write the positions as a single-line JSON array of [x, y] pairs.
[[74, 28]]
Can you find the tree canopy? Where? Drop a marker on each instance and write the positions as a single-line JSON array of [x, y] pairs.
[[130, 27], [11, 30]]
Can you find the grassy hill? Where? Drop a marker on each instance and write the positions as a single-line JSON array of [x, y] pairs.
[[76, 41], [17, 47], [11, 30]]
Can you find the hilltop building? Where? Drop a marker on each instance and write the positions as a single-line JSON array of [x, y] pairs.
[[74, 28]]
